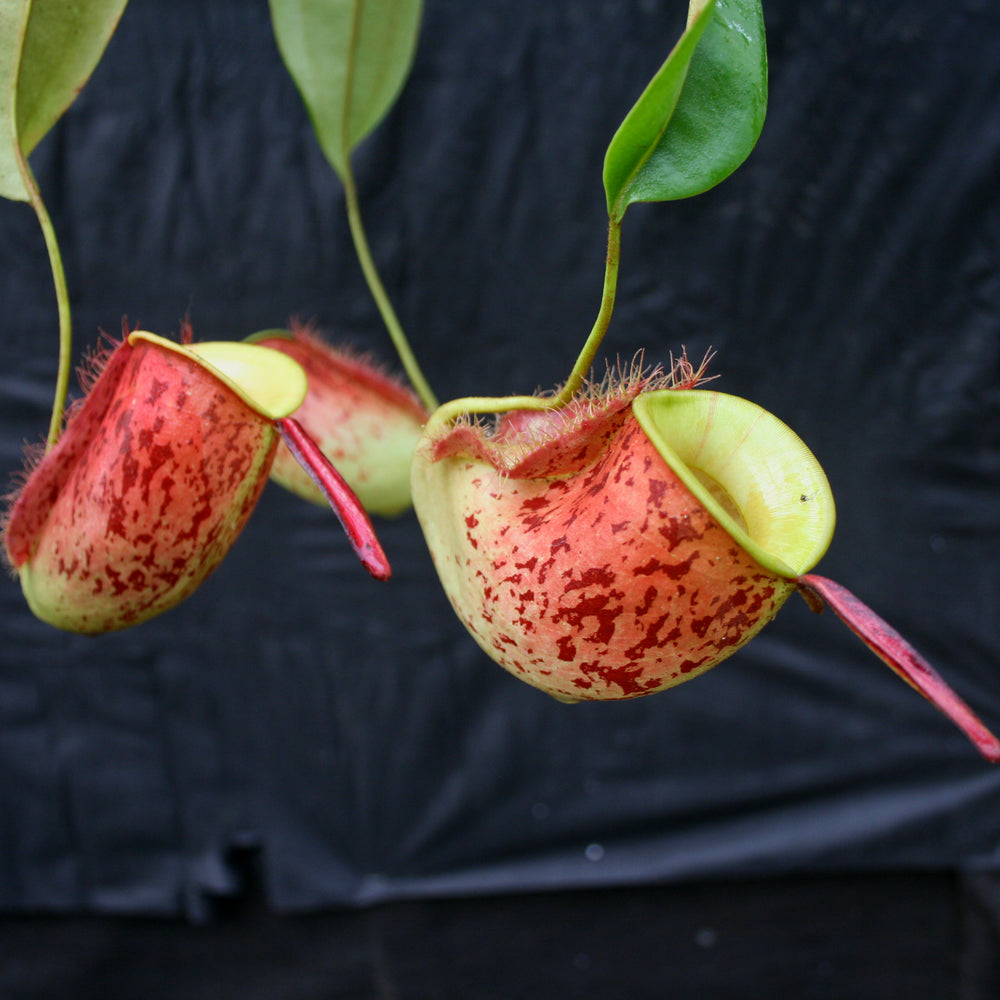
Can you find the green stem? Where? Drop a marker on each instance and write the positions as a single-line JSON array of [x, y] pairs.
[[389, 317], [488, 404], [62, 302], [586, 359], [456, 408]]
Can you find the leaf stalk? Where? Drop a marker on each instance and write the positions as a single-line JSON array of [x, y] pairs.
[[64, 363], [501, 404], [388, 314]]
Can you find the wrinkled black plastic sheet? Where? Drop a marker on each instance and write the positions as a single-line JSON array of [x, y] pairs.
[[349, 731]]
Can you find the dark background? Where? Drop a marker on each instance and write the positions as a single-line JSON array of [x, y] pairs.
[[303, 783]]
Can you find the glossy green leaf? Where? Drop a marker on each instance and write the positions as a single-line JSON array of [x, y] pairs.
[[349, 59], [700, 115], [48, 49]]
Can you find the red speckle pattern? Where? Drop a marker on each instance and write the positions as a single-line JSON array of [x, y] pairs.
[[151, 482], [600, 576]]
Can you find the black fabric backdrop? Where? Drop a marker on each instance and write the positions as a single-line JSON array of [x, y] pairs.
[[349, 733]]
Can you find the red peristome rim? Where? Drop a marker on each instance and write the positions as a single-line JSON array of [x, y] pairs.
[[345, 504], [883, 640]]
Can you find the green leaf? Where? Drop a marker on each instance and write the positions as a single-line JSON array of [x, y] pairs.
[[48, 49], [349, 59], [700, 115], [13, 19]]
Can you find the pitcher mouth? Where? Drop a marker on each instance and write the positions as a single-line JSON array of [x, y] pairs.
[[269, 382], [751, 471]]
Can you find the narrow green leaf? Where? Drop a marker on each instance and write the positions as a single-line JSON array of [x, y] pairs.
[[48, 49], [349, 59], [13, 18], [63, 45], [700, 115]]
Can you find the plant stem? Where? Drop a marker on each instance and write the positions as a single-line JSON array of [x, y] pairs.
[[488, 404], [62, 303], [455, 408], [593, 343], [388, 314]]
